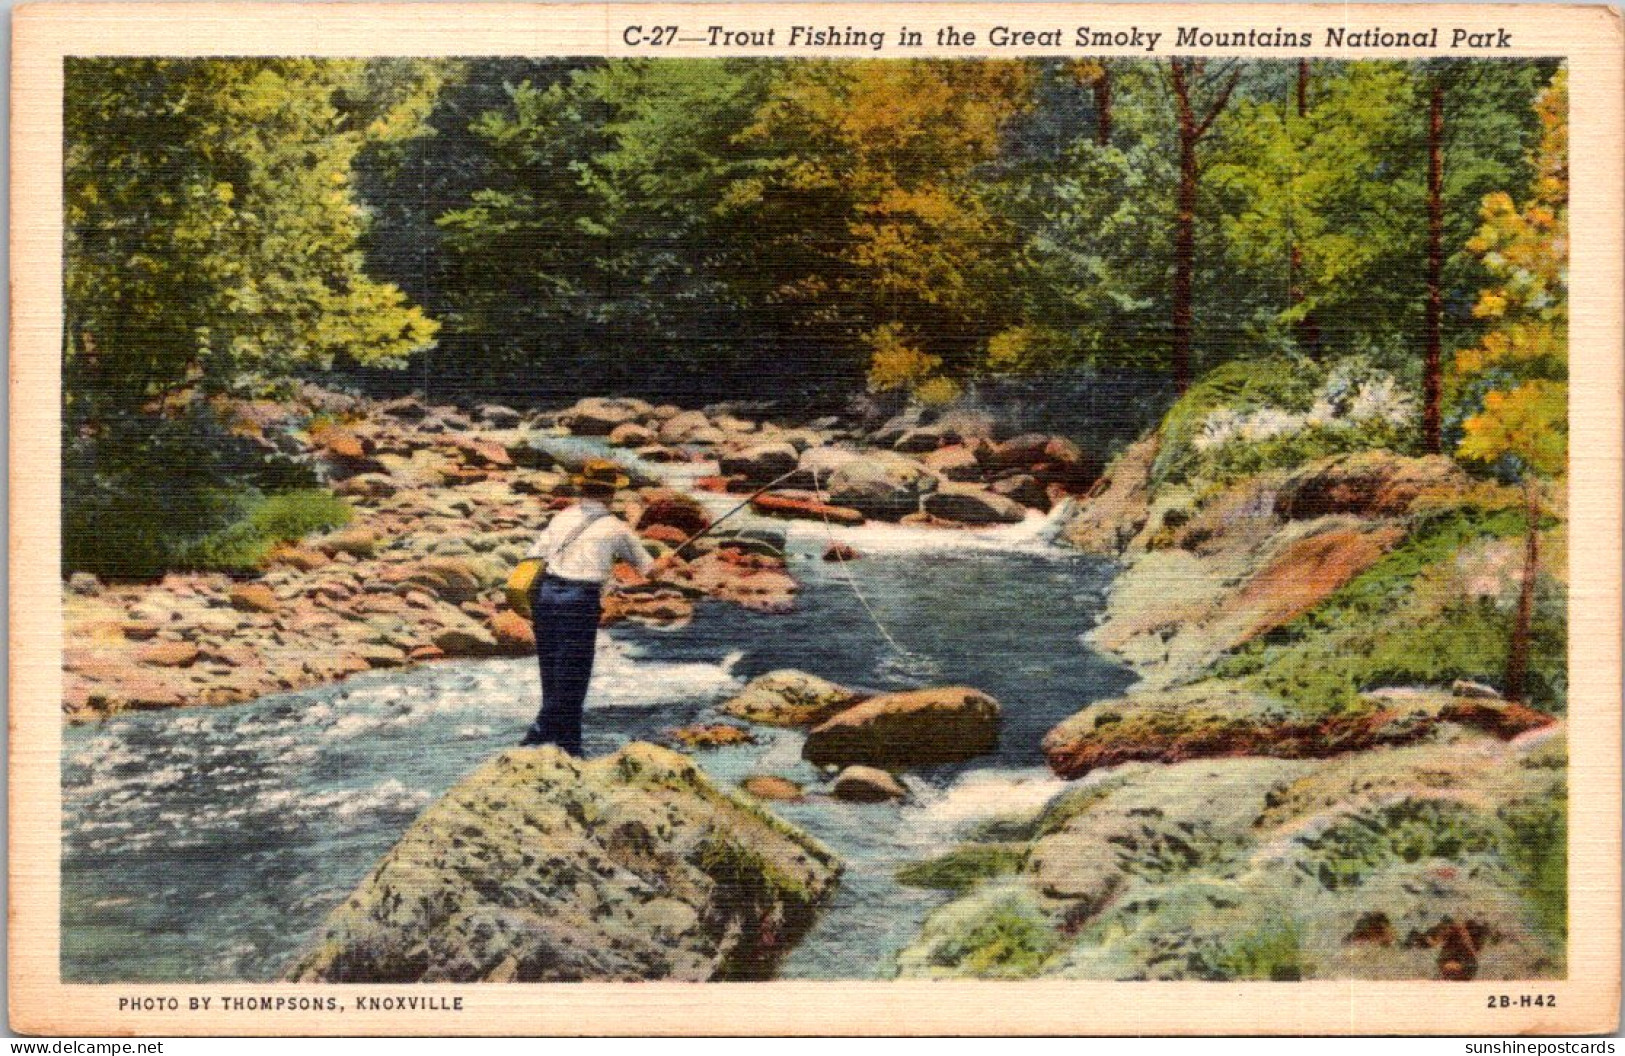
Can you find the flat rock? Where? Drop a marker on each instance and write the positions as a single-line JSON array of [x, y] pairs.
[[776, 789], [969, 504], [791, 698], [866, 784], [916, 728], [254, 597]]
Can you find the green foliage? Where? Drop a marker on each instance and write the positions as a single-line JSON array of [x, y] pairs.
[[243, 263], [295, 514], [264, 521], [1240, 386], [1376, 631], [139, 493], [1271, 951], [1008, 939], [1237, 460], [212, 245], [963, 867], [1538, 848]]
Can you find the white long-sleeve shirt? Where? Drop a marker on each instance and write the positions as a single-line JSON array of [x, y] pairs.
[[591, 555]]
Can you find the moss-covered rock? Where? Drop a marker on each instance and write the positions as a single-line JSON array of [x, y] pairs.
[[540, 867], [917, 728], [1443, 860], [791, 698], [1214, 719]]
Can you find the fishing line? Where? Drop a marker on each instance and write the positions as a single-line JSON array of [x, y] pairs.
[[829, 530], [846, 573]]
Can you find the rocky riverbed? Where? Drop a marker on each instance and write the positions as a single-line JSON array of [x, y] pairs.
[[1311, 774], [448, 500], [1302, 783]]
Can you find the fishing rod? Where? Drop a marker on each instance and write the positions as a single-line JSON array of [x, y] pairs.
[[752, 497], [846, 573]]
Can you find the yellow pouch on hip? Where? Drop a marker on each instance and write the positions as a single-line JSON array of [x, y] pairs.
[[521, 580]]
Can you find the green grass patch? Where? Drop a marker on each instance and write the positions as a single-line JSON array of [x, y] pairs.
[[262, 523], [964, 867], [296, 514]]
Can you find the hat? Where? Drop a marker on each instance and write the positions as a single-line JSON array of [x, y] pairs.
[[602, 472]]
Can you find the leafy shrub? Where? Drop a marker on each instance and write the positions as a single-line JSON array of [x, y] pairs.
[[1238, 387], [1539, 850], [140, 493], [1244, 418], [296, 514]]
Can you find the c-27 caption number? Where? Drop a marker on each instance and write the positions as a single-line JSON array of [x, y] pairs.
[[1521, 1000]]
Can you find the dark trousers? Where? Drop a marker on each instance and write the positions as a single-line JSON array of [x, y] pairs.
[[564, 613]]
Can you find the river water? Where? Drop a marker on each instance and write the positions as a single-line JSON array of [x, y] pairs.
[[210, 843]]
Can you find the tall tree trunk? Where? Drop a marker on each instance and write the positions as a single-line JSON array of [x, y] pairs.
[[1191, 131], [1184, 252], [1434, 321], [1103, 107], [1518, 652], [1308, 327]]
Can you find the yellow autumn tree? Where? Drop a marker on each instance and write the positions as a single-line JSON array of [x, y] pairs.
[[1524, 419], [877, 169]]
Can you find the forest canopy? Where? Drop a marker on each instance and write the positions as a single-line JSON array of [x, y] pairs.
[[532, 230]]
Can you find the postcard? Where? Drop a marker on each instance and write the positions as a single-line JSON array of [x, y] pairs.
[[825, 519]]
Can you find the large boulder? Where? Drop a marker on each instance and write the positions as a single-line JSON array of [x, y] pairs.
[[1022, 488], [956, 462], [916, 728], [1366, 484], [598, 415], [664, 506], [542, 868], [681, 427], [969, 504], [1121, 502], [791, 698], [1218, 719], [760, 463], [631, 434], [881, 485]]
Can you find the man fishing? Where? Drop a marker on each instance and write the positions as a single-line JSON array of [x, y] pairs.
[[580, 547], [578, 550]]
